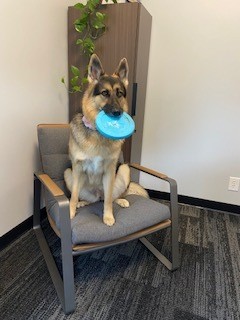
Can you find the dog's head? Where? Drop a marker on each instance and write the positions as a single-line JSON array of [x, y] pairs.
[[105, 92]]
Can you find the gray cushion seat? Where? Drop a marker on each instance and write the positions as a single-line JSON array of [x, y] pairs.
[[87, 225]]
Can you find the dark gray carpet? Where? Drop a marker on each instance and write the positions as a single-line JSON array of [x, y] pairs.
[[128, 282]]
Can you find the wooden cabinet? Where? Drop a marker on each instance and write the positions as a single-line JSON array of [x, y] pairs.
[[127, 35]]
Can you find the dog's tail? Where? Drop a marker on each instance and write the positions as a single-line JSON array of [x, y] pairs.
[[123, 187], [135, 188]]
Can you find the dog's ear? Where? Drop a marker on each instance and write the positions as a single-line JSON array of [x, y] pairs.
[[95, 69], [122, 71]]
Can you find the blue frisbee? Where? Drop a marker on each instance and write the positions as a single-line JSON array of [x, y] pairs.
[[115, 128]]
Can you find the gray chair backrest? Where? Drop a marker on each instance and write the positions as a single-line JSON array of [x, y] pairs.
[[53, 147]]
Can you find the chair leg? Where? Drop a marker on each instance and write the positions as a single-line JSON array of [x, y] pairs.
[[175, 245], [164, 260], [157, 253], [64, 286], [175, 225], [67, 256], [174, 234]]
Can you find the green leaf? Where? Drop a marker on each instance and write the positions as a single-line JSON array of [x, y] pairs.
[[79, 6], [84, 80], [80, 24], [63, 80], [79, 41], [88, 42], [95, 3], [74, 81], [92, 4], [84, 17], [91, 7], [88, 45], [77, 21], [76, 89], [98, 25], [100, 16], [80, 27], [114, 1], [75, 71]]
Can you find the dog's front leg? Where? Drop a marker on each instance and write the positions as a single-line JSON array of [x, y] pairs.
[[108, 181], [77, 182]]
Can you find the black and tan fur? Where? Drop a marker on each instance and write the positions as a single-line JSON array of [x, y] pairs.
[[94, 158]]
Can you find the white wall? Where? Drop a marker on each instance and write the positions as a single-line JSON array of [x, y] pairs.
[[192, 120], [33, 58]]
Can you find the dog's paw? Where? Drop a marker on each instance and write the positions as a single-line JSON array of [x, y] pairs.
[[82, 204], [109, 220], [122, 203]]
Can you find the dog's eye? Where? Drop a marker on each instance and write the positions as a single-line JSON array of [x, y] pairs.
[[105, 93], [119, 94]]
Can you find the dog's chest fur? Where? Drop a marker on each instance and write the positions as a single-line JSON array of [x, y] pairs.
[[93, 166], [94, 169]]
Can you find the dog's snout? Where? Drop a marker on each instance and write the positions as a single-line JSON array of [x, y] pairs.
[[116, 113], [112, 111]]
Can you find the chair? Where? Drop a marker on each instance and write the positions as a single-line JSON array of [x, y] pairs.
[[86, 232]]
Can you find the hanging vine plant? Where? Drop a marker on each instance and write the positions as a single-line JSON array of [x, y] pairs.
[[90, 25]]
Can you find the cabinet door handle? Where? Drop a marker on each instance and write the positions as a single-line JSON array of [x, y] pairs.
[[134, 99]]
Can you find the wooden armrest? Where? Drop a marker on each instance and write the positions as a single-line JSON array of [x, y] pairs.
[[50, 184], [149, 171]]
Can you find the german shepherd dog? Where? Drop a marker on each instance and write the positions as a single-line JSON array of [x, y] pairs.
[[94, 158]]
